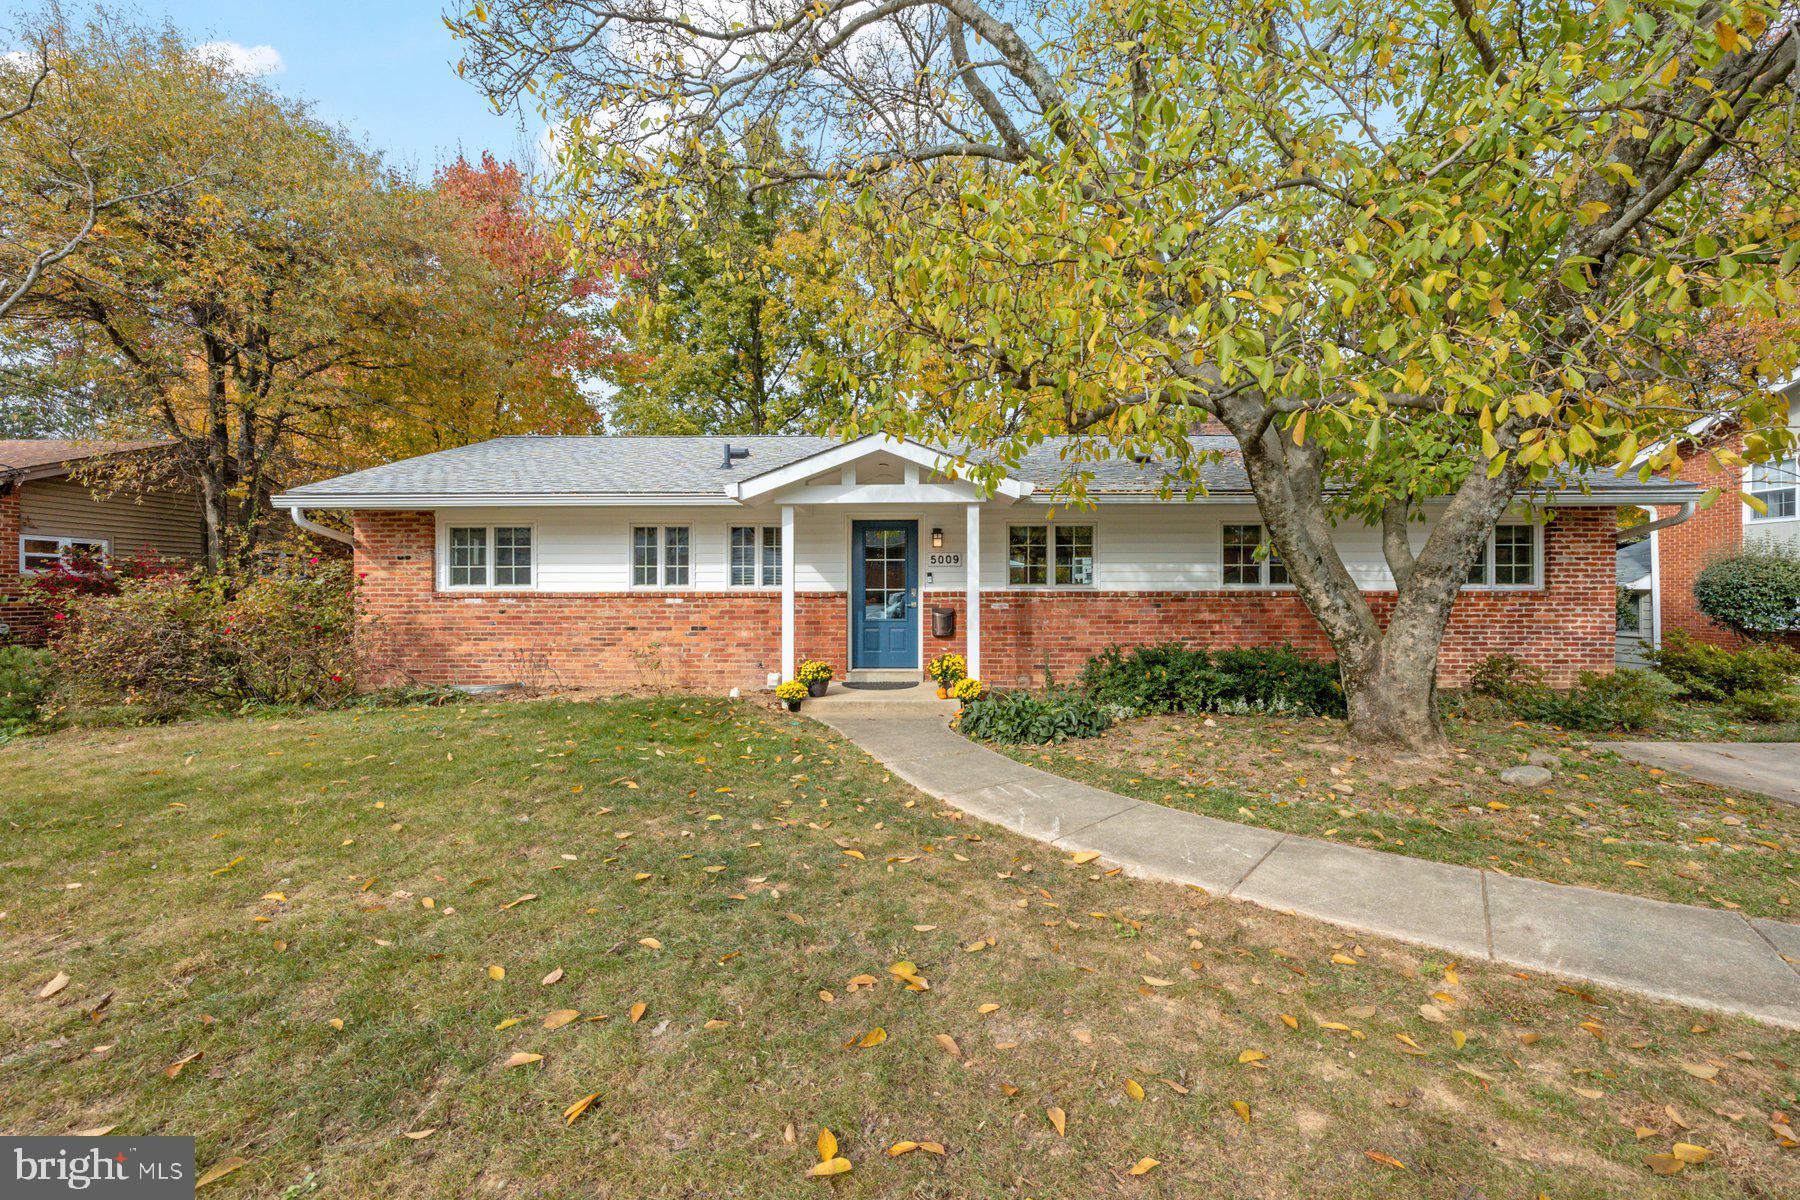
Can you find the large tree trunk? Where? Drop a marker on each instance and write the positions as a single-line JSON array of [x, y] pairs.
[[1389, 671]]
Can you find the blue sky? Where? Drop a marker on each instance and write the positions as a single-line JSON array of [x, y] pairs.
[[382, 68]]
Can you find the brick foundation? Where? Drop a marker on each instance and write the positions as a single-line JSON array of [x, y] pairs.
[[713, 640]]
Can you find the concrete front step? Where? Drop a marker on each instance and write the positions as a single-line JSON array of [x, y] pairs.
[[919, 700]]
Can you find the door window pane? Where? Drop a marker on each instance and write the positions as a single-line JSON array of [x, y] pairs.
[[468, 558], [884, 573], [512, 557]]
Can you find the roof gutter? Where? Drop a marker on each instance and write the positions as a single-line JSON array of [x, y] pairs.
[[313, 527], [1677, 517]]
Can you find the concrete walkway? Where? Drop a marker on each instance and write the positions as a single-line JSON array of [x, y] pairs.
[[1772, 768], [1704, 957]]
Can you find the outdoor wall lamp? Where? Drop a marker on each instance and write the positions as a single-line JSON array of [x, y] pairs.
[[937, 539]]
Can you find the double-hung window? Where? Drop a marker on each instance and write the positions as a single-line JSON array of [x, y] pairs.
[[42, 551], [1777, 486], [1249, 560], [755, 556], [482, 556], [1509, 559], [662, 556], [1050, 556]]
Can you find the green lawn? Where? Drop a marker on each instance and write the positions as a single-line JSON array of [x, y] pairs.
[[287, 938], [1602, 821]]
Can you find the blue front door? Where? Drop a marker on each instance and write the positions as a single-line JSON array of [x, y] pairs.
[[884, 594]]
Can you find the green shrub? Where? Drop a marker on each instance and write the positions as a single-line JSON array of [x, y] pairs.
[[169, 643], [25, 686], [1754, 592], [1707, 672], [1165, 678], [1172, 678], [1625, 699], [1033, 717], [1766, 706], [1506, 677]]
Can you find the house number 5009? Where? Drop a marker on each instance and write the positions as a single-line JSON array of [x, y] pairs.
[[944, 560]]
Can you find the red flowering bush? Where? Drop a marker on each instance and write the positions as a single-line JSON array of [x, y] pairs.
[[172, 642]]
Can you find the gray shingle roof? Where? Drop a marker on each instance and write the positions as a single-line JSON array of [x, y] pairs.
[[572, 468]]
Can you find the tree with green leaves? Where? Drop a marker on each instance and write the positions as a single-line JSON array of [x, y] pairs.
[[1418, 258], [270, 298], [730, 305]]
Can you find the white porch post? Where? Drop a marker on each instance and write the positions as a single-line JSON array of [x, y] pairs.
[[972, 567], [787, 592]]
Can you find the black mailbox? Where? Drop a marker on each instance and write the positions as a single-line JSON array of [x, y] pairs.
[[943, 621]]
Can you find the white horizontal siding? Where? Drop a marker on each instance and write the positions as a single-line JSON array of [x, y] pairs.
[[1175, 546]]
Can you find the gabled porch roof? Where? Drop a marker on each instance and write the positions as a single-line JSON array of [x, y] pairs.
[[951, 484]]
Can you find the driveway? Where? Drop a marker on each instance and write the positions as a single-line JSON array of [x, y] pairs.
[[1772, 768]]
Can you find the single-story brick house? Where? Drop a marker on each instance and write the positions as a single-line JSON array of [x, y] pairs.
[[47, 513], [713, 562]]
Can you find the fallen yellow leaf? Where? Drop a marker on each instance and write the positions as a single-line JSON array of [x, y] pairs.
[[1059, 1120], [1143, 1166], [219, 1170], [580, 1106], [522, 1058]]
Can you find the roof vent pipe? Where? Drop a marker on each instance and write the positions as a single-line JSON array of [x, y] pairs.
[[732, 454]]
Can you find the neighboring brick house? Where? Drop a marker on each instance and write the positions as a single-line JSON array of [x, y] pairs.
[[46, 513], [1723, 527], [714, 562]]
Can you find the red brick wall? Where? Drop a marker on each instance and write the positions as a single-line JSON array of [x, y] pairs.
[[712, 640], [25, 622], [412, 633], [1566, 628], [1685, 550]]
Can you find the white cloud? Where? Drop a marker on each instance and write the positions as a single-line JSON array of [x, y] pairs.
[[240, 59]]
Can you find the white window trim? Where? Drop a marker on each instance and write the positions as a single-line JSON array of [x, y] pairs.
[[1049, 585], [758, 585], [1537, 561], [63, 542], [1262, 563], [443, 557], [662, 541], [1751, 516]]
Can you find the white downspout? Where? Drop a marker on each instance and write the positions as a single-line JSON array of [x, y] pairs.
[[313, 527], [1637, 531]]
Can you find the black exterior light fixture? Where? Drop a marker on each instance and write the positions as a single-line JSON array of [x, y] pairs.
[[937, 539]]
